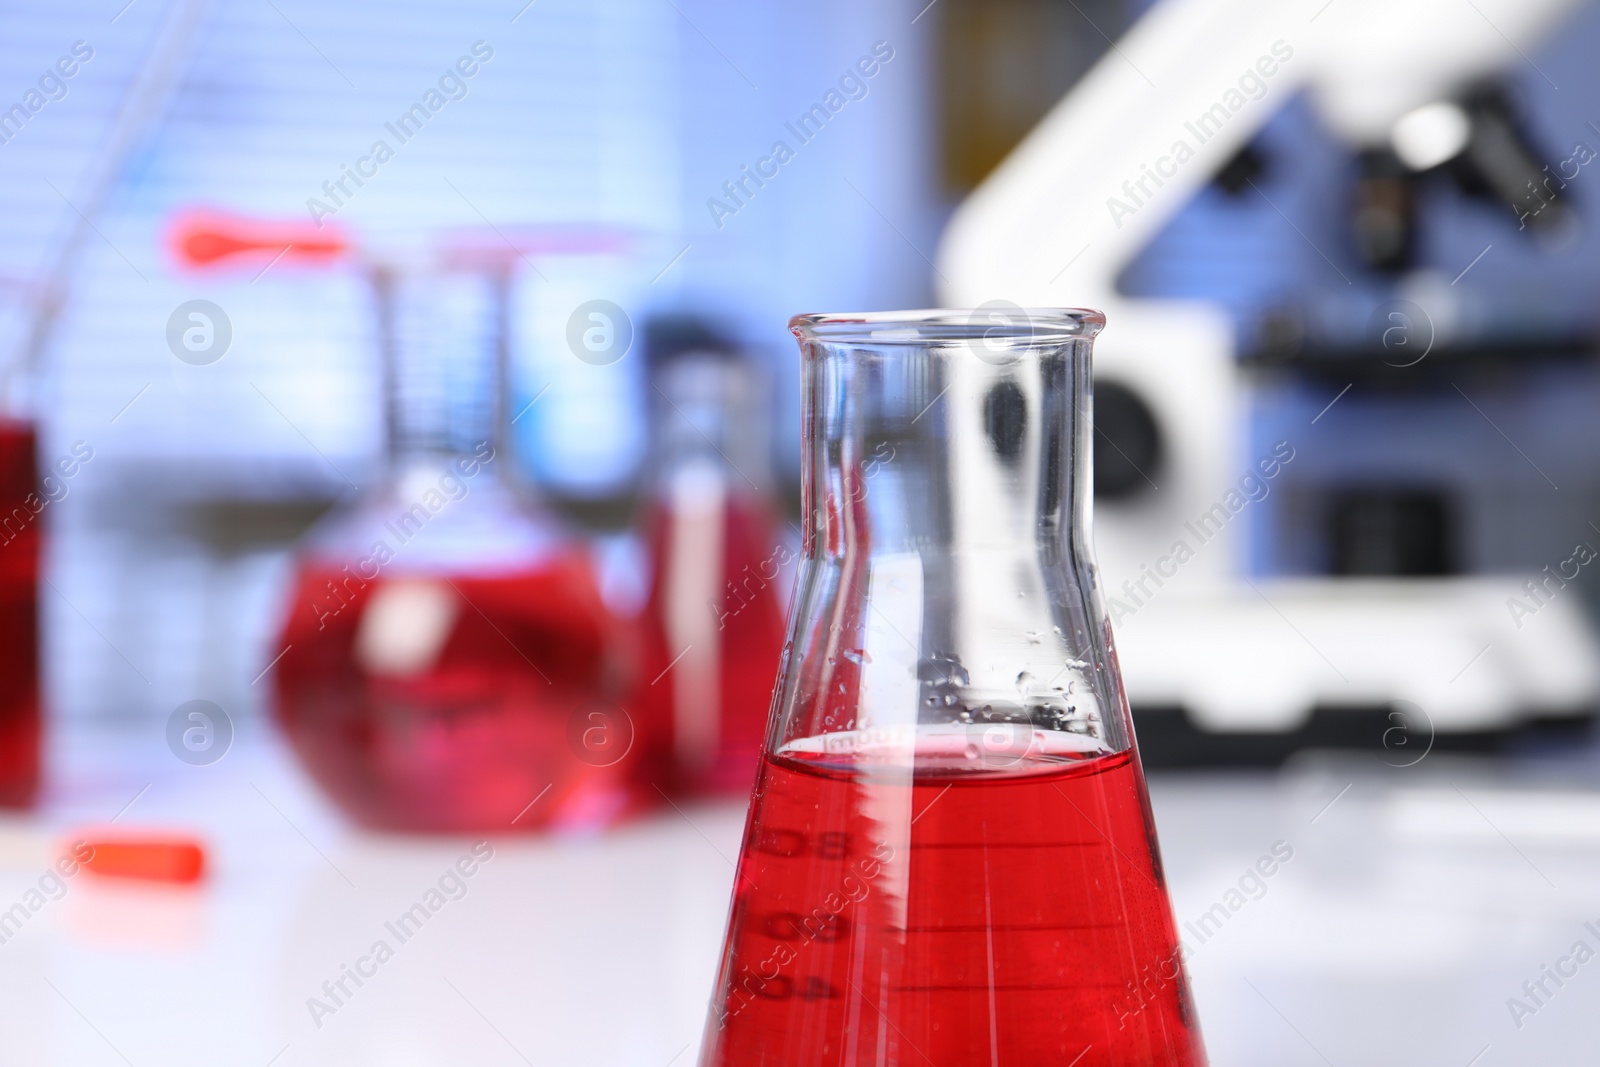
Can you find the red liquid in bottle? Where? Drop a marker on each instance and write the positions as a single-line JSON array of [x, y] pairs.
[[1002, 918], [498, 723], [20, 538], [739, 616]]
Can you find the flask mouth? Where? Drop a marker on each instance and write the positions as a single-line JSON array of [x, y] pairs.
[[996, 321]]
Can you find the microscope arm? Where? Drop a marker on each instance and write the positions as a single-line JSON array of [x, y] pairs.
[[1177, 96]]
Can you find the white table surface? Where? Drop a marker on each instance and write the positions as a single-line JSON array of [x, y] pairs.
[[1414, 907]]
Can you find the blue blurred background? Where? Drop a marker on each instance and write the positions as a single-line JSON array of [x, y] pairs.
[[618, 116]]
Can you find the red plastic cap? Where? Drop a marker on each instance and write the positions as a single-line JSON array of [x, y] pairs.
[[179, 860]]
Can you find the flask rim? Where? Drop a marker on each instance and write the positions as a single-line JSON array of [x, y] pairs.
[[997, 321]]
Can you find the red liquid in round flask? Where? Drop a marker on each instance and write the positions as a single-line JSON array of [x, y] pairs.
[[714, 624], [950, 856], [449, 662], [20, 540]]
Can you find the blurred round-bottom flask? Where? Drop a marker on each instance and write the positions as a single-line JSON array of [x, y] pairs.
[[448, 663]]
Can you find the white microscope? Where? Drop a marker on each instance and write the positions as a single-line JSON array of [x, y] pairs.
[[1169, 104]]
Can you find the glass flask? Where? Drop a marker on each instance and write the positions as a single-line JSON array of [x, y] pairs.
[[448, 661], [714, 623], [21, 502], [950, 856]]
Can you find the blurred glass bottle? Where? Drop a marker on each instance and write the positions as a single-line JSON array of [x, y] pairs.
[[449, 663], [714, 620]]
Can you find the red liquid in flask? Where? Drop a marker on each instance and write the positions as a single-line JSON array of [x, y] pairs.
[[20, 538], [492, 719], [1016, 917], [713, 686]]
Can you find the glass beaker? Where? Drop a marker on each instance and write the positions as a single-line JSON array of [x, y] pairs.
[[20, 538], [950, 857], [714, 622], [449, 663], [24, 498]]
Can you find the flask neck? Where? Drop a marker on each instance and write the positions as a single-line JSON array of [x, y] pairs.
[[948, 587], [935, 450], [709, 423], [445, 346]]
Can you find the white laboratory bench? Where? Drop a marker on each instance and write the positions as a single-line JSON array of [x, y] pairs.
[[1416, 903]]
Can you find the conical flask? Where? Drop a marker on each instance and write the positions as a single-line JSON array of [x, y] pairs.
[[950, 857]]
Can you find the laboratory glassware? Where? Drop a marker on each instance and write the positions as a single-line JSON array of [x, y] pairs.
[[92, 161], [714, 623], [449, 663], [21, 504], [446, 662], [950, 856]]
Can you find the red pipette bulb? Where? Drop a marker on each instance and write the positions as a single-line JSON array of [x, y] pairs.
[[207, 239]]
